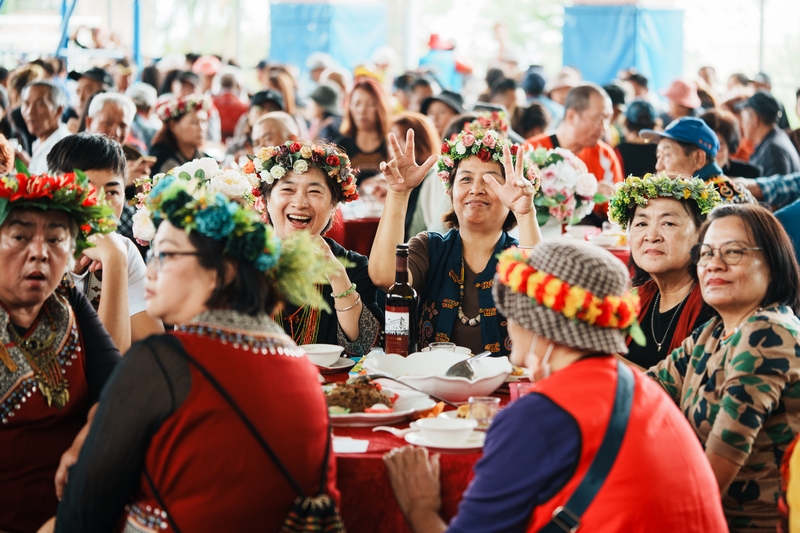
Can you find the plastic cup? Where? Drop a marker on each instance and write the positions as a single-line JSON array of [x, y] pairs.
[[483, 409]]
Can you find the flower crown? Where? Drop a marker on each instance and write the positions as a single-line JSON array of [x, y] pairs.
[[575, 303], [176, 107], [273, 162], [487, 144], [637, 191], [71, 193]]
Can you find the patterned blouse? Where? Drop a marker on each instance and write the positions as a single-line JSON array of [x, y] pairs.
[[742, 397]]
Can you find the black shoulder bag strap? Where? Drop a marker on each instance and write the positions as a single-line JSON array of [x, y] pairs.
[[252, 428], [554, 141], [568, 517]]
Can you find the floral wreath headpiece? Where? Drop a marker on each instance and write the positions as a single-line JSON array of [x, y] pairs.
[[575, 303], [177, 107], [71, 193], [638, 191], [487, 144], [273, 162]]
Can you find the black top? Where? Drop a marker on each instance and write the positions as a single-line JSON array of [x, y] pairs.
[[102, 355], [740, 169], [167, 158], [649, 355], [637, 159], [150, 383]]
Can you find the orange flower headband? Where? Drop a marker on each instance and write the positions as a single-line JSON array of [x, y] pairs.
[[575, 303]]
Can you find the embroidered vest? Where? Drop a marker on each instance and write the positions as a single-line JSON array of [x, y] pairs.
[[439, 311], [210, 472]]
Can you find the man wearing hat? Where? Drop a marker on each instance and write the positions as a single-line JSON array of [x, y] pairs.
[[327, 112], [689, 146], [533, 84], [774, 151], [262, 102], [443, 108], [91, 82]]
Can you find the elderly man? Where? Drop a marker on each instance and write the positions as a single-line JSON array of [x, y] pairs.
[[42, 106], [273, 129], [587, 112], [112, 115], [91, 82], [144, 96], [689, 146], [774, 151]]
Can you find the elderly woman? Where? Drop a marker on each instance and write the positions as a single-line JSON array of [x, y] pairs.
[[663, 215], [303, 184], [453, 273], [55, 355], [208, 391], [737, 378], [183, 131], [538, 450]]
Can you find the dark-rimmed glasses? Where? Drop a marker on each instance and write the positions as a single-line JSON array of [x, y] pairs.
[[156, 259], [730, 253]]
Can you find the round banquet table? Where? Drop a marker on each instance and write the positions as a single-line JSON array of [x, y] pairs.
[[368, 503]]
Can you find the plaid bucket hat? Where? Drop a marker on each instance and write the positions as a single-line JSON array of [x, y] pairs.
[[570, 292]]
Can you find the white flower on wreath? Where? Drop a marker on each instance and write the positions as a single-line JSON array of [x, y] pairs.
[[230, 183], [277, 172], [143, 227], [266, 176], [460, 148], [300, 166], [208, 165]]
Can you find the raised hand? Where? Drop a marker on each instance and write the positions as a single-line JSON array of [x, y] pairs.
[[517, 192], [402, 172]]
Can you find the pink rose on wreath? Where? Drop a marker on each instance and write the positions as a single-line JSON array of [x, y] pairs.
[[468, 139], [449, 162], [444, 176], [489, 141]]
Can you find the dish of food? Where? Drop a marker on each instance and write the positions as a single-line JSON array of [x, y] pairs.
[[369, 404], [343, 363]]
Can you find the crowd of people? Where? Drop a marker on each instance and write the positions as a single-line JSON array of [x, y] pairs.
[[166, 242]]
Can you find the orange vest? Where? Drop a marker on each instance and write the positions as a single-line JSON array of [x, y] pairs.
[[660, 481]]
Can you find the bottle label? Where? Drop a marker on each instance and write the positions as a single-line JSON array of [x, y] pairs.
[[398, 329]]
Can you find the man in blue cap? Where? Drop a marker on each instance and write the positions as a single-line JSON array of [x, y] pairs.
[[689, 146]]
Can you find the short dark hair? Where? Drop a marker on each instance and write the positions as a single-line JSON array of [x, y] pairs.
[[775, 244], [796, 95], [451, 220], [456, 124], [250, 291], [638, 79], [3, 74], [87, 151], [741, 78], [404, 82], [689, 148], [502, 85], [725, 125], [640, 276], [533, 116], [420, 82], [578, 98]]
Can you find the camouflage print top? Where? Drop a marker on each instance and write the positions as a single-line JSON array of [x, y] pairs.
[[742, 397]]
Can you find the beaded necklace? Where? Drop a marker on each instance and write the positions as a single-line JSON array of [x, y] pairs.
[[303, 325], [464, 318]]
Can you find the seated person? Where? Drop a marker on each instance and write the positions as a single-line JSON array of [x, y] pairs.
[[112, 274]]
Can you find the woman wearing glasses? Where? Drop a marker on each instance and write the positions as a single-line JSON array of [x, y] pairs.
[[737, 379], [663, 215]]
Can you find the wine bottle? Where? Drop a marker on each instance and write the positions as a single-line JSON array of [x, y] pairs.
[[401, 309]]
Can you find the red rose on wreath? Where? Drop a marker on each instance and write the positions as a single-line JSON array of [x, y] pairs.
[[514, 149], [484, 155], [332, 160], [445, 148], [294, 148]]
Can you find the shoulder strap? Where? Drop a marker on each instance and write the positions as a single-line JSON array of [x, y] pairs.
[[554, 141], [568, 517], [252, 428]]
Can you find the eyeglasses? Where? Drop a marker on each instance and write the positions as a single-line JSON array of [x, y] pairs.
[[156, 259], [731, 253]]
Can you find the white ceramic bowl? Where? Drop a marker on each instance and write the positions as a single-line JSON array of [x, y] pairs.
[[323, 354], [425, 371], [446, 431]]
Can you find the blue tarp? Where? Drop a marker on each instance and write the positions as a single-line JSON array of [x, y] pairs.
[[349, 33], [602, 40]]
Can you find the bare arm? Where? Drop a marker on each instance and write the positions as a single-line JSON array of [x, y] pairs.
[[402, 175], [415, 480], [724, 470], [142, 326]]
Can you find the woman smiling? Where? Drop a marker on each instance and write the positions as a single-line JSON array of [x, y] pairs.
[[737, 379], [663, 215]]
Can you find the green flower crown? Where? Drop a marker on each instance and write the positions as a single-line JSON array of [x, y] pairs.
[[71, 193], [637, 191], [486, 144], [190, 205]]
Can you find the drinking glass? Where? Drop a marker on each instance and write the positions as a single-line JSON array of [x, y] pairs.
[[482, 409], [449, 346]]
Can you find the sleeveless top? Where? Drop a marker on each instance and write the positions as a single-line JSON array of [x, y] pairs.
[[660, 481]]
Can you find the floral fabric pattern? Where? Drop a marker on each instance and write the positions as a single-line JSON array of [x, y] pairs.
[[742, 397]]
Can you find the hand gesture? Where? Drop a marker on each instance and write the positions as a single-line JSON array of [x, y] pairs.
[[402, 172], [517, 192], [414, 478], [327, 254], [106, 248]]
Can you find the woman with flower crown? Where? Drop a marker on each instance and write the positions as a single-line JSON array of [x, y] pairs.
[[663, 216], [55, 355], [181, 457], [492, 190], [183, 131], [303, 184]]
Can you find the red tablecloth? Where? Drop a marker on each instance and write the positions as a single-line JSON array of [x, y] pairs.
[[355, 234], [368, 502]]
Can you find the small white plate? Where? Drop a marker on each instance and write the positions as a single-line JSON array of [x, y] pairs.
[[343, 363], [449, 414], [473, 442]]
